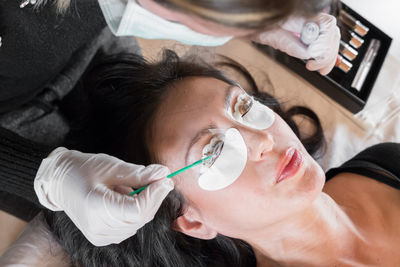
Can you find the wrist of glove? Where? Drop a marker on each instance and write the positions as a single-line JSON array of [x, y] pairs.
[[92, 189], [46, 182], [320, 55]]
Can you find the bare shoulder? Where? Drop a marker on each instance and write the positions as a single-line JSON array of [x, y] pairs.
[[375, 209], [372, 201]]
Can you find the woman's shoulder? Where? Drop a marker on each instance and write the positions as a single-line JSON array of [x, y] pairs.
[[374, 209], [369, 182], [379, 162]]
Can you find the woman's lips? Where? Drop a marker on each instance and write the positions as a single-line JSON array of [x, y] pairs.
[[289, 165]]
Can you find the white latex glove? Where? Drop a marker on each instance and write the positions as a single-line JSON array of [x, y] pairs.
[[321, 54], [92, 189], [35, 246]]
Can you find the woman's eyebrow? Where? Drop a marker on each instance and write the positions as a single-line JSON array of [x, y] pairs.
[[206, 130]]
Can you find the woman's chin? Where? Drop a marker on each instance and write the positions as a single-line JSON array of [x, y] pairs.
[[314, 179], [310, 180]]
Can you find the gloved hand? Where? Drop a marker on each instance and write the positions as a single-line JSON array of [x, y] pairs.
[[36, 246], [321, 54], [92, 189]]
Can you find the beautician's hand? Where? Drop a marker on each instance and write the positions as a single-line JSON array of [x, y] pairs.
[[321, 54], [92, 189]]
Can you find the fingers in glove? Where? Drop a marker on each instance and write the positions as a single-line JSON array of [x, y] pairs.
[[313, 65], [323, 59], [136, 176], [294, 24], [145, 205], [285, 41], [325, 49], [148, 175], [327, 68], [122, 189]]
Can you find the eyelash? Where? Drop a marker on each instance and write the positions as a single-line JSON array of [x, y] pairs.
[[246, 102], [214, 150]]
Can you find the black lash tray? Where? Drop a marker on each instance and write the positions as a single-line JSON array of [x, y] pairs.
[[337, 84]]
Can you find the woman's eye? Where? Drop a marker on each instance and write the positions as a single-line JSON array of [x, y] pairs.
[[243, 104], [212, 149], [246, 106], [231, 157], [252, 113]]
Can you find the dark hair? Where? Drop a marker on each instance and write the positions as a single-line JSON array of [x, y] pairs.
[[250, 14], [115, 101]]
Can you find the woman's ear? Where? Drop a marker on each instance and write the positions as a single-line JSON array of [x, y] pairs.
[[190, 224]]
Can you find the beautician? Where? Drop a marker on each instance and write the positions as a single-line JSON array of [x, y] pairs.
[[37, 44]]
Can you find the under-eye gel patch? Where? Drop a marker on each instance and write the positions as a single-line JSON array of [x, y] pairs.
[[230, 163], [252, 113]]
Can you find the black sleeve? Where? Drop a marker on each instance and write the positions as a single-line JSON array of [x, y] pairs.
[[380, 162], [19, 161]]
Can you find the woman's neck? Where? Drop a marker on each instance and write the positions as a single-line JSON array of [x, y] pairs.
[[322, 234]]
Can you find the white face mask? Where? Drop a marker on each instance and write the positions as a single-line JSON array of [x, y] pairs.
[[228, 166], [252, 113], [133, 20]]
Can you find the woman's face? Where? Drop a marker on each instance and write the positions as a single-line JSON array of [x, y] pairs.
[[256, 199]]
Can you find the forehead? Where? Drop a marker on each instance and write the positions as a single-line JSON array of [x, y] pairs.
[[189, 105]]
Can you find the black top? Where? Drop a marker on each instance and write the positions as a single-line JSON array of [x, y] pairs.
[[38, 43], [19, 161], [380, 162]]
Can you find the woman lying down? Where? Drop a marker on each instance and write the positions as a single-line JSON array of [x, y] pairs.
[[261, 199]]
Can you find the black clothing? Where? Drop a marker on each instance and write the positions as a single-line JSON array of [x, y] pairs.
[[40, 120], [21, 158], [380, 162], [42, 56], [38, 43], [19, 162]]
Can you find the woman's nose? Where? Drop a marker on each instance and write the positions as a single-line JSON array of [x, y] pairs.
[[259, 143]]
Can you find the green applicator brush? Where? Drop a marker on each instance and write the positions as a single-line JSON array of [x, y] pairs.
[[137, 191]]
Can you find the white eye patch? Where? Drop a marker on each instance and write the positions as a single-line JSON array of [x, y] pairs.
[[252, 113], [230, 163]]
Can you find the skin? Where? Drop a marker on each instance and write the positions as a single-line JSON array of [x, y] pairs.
[[295, 222]]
